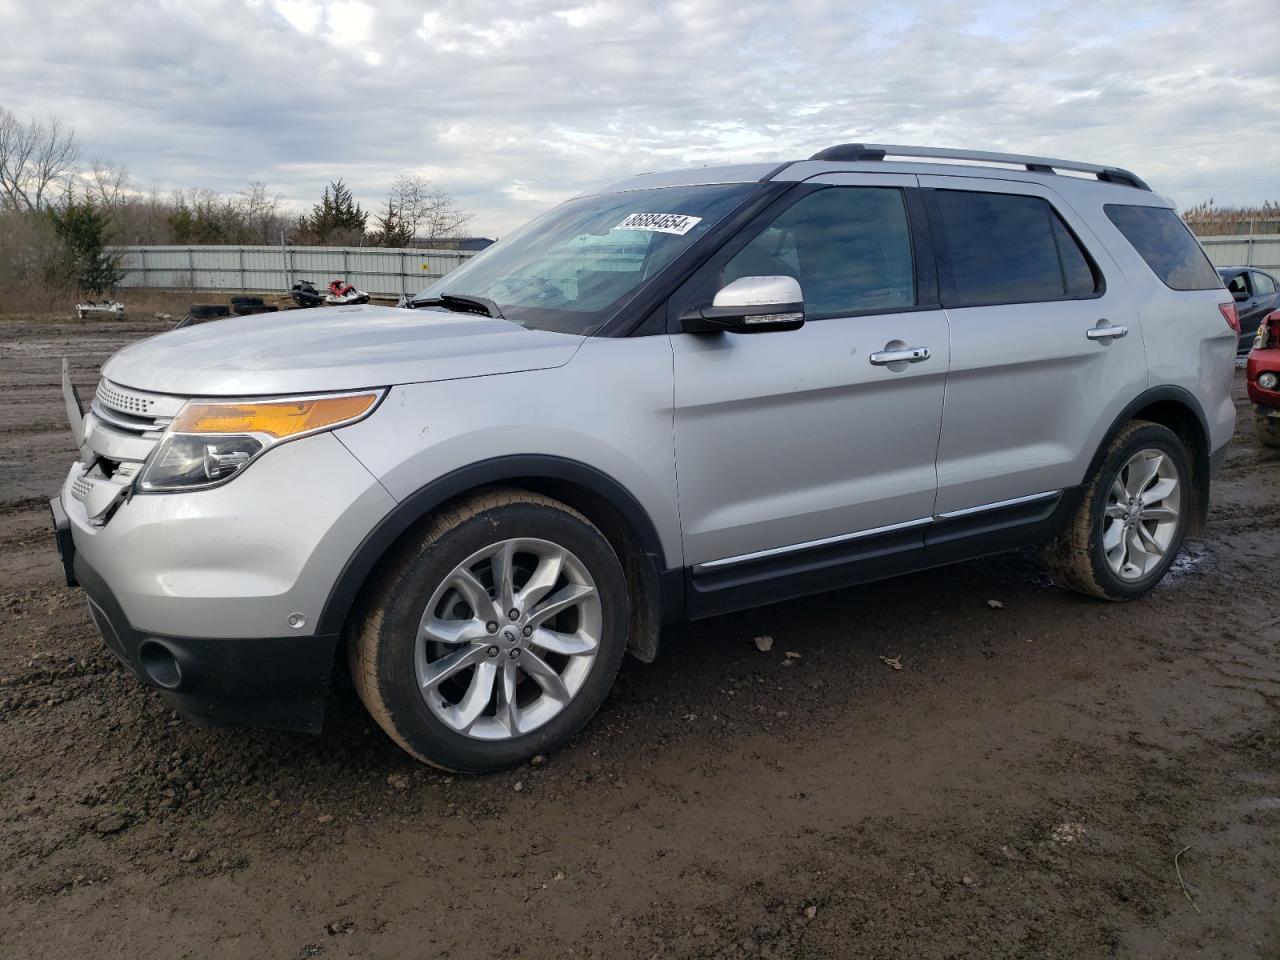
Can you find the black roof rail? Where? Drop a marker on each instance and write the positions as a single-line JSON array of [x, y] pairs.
[[848, 152]]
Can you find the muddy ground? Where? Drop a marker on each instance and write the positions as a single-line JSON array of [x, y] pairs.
[[1030, 783]]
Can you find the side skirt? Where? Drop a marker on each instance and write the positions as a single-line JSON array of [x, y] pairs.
[[723, 587]]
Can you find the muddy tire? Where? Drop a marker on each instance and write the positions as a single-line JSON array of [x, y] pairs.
[[1129, 524], [493, 633], [1268, 428]]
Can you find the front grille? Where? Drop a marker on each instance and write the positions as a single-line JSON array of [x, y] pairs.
[[118, 399], [132, 411], [122, 428]]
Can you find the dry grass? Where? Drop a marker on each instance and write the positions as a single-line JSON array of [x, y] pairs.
[[1208, 220], [138, 303]]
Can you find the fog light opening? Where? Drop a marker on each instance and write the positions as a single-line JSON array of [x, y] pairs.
[[159, 664]]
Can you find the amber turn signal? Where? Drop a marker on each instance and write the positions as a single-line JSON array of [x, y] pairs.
[[275, 418]]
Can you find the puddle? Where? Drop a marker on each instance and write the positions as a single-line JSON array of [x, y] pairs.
[[1192, 556]]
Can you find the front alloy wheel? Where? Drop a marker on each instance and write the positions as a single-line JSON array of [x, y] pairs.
[[493, 634], [508, 639]]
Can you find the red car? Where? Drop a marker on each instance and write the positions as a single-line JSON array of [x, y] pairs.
[[1262, 373]]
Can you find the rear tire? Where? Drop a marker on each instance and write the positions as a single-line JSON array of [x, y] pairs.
[[1131, 519], [449, 674]]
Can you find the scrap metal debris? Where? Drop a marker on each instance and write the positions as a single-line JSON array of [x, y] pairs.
[[106, 306]]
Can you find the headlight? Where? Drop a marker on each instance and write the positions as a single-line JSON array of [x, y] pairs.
[[209, 442], [1268, 380]]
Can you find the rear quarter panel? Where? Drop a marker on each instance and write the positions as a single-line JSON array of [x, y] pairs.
[[1189, 343]]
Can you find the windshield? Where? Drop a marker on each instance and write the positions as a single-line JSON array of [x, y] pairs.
[[573, 268]]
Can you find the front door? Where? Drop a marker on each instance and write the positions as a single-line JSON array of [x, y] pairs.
[[796, 449]]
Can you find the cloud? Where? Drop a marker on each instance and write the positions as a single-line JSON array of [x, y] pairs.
[[515, 105]]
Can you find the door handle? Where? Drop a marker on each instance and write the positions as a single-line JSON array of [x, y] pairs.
[[905, 355], [1106, 333]]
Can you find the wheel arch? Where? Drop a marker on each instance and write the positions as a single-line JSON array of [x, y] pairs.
[[656, 593], [1177, 409]]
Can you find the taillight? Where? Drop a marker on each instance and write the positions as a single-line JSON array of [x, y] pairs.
[[1229, 314]]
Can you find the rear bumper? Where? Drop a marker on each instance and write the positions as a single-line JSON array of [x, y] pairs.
[[279, 682]]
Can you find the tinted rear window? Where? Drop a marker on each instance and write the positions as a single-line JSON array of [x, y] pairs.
[[1164, 241], [1007, 248]]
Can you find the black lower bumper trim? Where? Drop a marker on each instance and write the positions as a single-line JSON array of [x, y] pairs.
[[1217, 459], [279, 682], [62, 536]]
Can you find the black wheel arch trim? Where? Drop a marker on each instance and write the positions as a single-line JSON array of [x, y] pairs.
[[441, 490]]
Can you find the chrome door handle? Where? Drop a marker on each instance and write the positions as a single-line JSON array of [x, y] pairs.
[[905, 355], [1106, 333]]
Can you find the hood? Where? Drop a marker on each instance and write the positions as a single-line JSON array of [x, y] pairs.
[[327, 349]]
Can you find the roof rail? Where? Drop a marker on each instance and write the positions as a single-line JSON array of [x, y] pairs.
[[878, 151]]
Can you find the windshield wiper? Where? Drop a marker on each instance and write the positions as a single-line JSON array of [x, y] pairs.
[[462, 303]]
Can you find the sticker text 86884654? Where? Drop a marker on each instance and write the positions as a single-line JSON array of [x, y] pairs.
[[676, 223]]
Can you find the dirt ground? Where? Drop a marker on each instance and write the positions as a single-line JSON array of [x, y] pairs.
[[1056, 777]]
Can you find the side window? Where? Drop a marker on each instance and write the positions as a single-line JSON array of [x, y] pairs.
[[1263, 284], [850, 248], [1166, 244], [1238, 284], [1077, 273], [1007, 248]]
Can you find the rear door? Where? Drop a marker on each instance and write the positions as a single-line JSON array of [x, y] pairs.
[[1043, 349], [804, 446]]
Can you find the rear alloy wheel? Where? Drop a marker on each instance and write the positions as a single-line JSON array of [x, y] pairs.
[[1131, 519], [1142, 514], [494, 634]]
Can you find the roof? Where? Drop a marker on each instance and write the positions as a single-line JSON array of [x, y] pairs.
[[875, 158]]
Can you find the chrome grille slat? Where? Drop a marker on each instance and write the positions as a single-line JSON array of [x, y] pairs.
[[133, 424]]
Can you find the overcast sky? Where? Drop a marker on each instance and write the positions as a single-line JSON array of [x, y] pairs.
[[514, 106]]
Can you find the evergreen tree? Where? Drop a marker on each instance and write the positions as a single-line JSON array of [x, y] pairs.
[[81, 229], [337, 217], [392, 230]]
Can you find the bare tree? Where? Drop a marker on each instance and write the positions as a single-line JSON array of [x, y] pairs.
[[425, 209], [37, 160], [260, 211], [108, 184]]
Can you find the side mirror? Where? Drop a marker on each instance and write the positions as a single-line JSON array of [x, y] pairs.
[[750, 305], [1239, 296]]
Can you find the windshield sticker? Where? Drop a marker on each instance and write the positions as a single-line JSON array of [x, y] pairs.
[[676, 223]]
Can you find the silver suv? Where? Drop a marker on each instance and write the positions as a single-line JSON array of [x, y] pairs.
[[679, 395]]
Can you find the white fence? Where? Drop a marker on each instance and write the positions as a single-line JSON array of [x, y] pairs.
[[390, 272], [381, 271], [1261, 250]]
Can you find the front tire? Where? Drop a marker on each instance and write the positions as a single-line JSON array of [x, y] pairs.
[[1131, 519], [1268, 427], [494, 634]]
